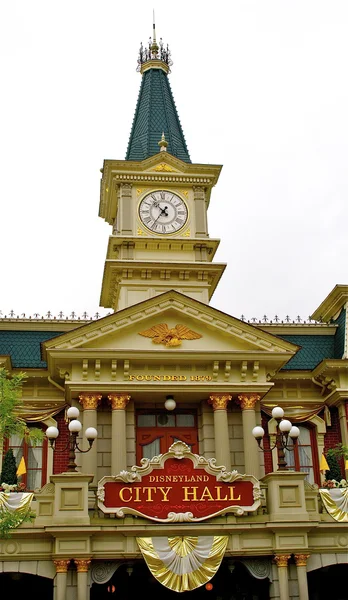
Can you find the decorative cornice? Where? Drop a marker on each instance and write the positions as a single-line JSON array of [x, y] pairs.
[[90, 401], [61, 565], [248, 402], [82, 565], [118, 401], [219, 402], [281, 560], [301, 559]]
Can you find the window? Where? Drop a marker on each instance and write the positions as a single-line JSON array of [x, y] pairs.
[[304, 456], [157, 431], [35, 460]]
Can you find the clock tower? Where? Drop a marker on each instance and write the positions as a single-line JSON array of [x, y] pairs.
[[156, 201]]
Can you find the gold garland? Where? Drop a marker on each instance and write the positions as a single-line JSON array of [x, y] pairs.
[[183, 563], [336, 503]]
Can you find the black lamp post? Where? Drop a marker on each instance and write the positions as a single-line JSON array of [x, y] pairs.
[[285, 433], [74, 429]]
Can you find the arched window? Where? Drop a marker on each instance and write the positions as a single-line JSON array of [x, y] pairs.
[[35, 458], [304, 455], [158, 430]]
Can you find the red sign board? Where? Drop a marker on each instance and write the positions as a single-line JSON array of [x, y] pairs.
[[178, 486]]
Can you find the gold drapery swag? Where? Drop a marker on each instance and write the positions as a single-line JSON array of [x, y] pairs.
[[335, 501], [16, 502], [184, 563]]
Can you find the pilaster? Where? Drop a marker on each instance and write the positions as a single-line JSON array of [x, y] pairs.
[[219, 403], [118, 432], [90, 403], [251, 451], [201, 226]]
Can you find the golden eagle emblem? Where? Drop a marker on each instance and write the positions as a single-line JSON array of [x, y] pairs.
[[161, 334]]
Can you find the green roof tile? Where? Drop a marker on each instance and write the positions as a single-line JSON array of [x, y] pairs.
[[156, 113], [340, 334], [24, 347], [314, 349]]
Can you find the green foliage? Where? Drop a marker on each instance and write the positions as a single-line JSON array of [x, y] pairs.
[[335, 471], [11, 404], [11, 520], [9, 469], [340, 450]]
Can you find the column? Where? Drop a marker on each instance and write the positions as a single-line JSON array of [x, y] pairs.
[[90, 404], [118, 432], [82, 566], [222, 441], [251, 449], [61, 578], [301, 564], [282, 564]]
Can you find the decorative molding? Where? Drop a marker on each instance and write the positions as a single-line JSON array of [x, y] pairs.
[[281, 560], [101, 572], [219, 401], [258, 567], [90, 401], [82, 565], [248, 402], [184, 305], [61, 565], [301, 559], [119, 401]]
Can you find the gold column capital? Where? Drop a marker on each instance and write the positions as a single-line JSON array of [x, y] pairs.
[[82, 565], [61, 565], [282, 559], [90, 401], [118, 401], [248, 401], [219, 401], [301, 559]]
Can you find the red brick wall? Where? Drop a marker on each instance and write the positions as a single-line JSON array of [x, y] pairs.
[[266, 444], [333, 434], [60, 455]]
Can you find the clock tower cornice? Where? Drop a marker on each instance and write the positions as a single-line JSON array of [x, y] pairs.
[[160, 171]]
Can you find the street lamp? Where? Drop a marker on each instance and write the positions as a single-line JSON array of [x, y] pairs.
[[285, 433], [74, 429]]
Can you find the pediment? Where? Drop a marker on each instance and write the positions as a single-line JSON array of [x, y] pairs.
[[213, 331]]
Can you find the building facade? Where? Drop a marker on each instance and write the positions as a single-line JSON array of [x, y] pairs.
[[166, 375]]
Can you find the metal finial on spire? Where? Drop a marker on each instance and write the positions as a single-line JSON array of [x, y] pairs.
[[153, 26], [154, 51], [163, 143]]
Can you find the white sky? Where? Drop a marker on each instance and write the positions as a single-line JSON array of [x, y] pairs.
[[261, 87]]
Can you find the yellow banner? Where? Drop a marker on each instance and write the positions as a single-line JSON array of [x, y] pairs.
[[185, 563]]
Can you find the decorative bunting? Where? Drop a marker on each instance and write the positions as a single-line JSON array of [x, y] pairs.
[[183, 563], [335, 501]]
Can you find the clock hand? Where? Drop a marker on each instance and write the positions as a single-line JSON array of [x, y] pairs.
[[163, 212]]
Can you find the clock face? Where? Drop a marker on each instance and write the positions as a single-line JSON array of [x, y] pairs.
[[163, 212]]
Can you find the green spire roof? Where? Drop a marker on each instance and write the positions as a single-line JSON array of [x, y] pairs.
[[155, 112]]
